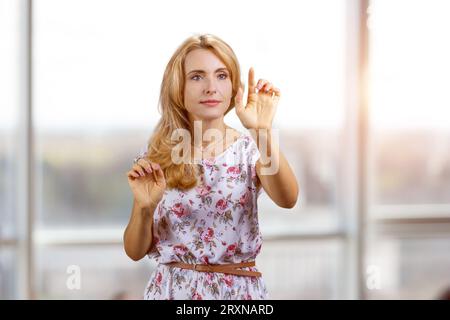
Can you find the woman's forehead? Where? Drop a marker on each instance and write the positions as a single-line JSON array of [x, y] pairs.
[[203, 60]]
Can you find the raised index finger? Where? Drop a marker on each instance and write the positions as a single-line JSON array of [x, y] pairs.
[[251, 81]]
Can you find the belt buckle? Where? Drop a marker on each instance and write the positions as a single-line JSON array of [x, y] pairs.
[[195, 266]]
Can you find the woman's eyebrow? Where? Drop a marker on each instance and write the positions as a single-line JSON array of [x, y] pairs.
[[203, 71]]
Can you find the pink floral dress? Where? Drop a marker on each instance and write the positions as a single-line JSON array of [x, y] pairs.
[[215, 222]]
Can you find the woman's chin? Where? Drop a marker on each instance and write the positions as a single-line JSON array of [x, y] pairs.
[[208, 116]]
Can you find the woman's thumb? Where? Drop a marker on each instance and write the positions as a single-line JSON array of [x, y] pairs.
[[159, 174]]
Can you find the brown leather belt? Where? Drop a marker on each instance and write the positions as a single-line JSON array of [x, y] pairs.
[[231, 268]]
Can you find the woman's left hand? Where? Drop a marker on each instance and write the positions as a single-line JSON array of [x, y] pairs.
[[261, 106]]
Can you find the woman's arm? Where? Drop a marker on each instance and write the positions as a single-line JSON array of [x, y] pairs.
[[274, 172], [257, 116], [137, 237]]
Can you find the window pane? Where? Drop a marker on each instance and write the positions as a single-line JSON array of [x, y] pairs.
[[410, 100], [410, 267], [91, 119], [10, 102], [105, 273], [303, 269], [81, 179], [412, 167], [313, 157], [8, 273], [310, 74]]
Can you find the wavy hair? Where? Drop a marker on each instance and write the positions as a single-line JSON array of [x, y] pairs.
[[173, 112]]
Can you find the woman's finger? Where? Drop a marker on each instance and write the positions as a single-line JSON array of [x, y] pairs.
[[139, 174], [261, 83], [139, 169], [276, 91], [145, 164], [154, 169], [267, 87], [251, 81], [160, 174], [132, 174]]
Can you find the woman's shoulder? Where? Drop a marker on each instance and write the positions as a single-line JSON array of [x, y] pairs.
[[235, 135], [242, 139]]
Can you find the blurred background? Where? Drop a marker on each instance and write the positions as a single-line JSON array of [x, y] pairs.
[[364, 121]]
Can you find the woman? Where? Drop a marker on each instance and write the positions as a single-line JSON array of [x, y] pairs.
[[199, 218]]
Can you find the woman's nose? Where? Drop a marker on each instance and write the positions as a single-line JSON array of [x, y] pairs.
[[210, 87]]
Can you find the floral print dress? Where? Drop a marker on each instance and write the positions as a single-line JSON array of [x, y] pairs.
[[216, 223]]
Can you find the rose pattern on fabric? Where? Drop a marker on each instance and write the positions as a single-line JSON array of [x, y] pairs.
[[215, 222]]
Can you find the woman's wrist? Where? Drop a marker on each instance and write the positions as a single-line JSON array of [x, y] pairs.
[[146, 205]]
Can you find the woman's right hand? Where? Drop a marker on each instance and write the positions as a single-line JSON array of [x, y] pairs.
[[147, 182]]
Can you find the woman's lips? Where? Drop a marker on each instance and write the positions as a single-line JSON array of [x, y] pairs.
[[211, 104]]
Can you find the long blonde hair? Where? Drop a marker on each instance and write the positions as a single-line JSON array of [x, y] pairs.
[[173, 112]]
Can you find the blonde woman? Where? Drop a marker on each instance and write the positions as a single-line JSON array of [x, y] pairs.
[[195, 211]]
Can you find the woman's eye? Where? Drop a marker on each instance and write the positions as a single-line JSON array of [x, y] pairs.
[[223, 76]]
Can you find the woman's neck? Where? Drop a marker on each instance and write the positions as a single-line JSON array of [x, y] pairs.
[[203, 130]]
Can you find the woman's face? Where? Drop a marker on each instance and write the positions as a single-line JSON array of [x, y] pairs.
[[207, 78]]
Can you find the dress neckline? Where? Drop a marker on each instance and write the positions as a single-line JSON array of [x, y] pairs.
[[241, 135]]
